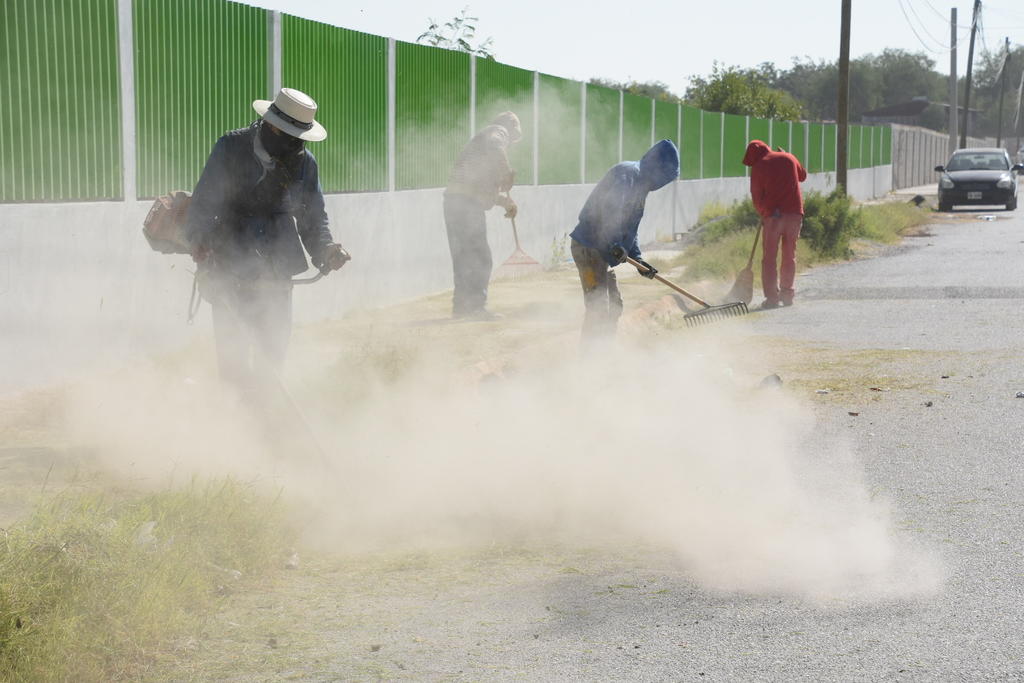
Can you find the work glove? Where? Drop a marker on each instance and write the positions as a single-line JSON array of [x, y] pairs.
[[618, 253], [200, 253], [332, 258], [201, 250], [650, 271], [511, 210]]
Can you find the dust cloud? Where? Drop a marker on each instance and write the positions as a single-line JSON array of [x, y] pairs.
[[663, 446]]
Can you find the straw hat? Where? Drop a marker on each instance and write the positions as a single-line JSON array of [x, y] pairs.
[[292, 111]]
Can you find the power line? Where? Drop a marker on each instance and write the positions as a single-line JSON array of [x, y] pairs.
[[942, 16], [914, 31], [924, 27], [981, 30]]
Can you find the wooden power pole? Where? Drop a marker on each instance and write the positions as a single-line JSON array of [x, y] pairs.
[[843, 103], [954, 90], [970, 63], [1002, 93]]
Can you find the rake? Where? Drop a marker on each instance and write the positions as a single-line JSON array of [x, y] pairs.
[[709, 313], [743, 289], [519, 263]]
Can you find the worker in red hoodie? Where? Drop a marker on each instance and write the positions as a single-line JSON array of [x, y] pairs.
[[775, 179]]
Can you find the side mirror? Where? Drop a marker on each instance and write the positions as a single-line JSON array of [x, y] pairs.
[[940, 169], [1017, 167]]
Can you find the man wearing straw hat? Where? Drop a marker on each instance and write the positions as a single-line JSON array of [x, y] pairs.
[[257, 205]]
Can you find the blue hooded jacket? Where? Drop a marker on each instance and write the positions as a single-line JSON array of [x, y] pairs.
[[612, 213]]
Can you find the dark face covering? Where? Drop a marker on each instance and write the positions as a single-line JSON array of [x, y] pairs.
[[278, 144]]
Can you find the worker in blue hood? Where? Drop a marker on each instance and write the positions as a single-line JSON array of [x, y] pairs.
[[609, 222]]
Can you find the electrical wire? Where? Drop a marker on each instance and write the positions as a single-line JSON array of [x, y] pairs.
[[914, 31], [981, 30], [945, 17], [923, 27]]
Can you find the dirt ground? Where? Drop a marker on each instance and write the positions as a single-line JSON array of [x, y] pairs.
[[446, 611]]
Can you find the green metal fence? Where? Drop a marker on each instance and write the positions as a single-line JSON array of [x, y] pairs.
[[602, 149], [636, 126], [691, 147], [734, 144], [666, 122], [199, 64], [59, 79], [798, 142], [760, 129], [711, 125], [431, 113], [780, 135], [347, 71], [393, 110], [560, 130]]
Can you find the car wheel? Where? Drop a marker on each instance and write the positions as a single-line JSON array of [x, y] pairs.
[[1012, 204], [945, 207]]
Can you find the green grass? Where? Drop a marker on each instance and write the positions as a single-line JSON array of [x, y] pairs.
[[888, 222], [87, 595]]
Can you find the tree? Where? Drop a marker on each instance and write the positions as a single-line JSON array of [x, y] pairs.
[[742, 91], [656, 90], [988, 83], [457, 34]]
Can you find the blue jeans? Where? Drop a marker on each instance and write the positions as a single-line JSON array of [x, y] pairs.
[[471, 254]]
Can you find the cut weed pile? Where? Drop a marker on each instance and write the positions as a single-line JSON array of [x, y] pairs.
[[831, 225], [96, 587]]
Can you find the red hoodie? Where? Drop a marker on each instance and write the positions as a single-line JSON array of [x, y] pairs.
[[775, 179]]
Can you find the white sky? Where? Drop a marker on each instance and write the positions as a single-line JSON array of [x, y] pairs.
[[669, 41]]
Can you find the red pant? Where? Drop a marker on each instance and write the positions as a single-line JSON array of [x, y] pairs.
[[778, 284]]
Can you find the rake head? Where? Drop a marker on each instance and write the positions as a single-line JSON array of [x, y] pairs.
[[715, 313], [519, 264]]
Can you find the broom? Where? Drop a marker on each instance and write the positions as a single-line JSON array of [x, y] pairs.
[[743, 289], [707, 314], [519, 263]]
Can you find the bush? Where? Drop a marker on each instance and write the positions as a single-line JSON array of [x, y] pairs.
[[829, 223], [741, 216]]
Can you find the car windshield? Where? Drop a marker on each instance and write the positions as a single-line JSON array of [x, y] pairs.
[[978, 162]]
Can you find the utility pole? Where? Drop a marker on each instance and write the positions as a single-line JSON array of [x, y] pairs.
[[954, 91], [970, 62], [1002, 93], [843, 104], [1016, 118]]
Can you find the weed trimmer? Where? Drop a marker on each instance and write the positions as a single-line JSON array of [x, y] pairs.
[[743, 289], [271, 373], [707, 314], [519, 263]]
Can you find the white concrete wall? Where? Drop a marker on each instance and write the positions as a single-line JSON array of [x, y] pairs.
[[80, 285]]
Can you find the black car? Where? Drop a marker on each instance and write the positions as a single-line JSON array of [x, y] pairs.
[[978, 176]]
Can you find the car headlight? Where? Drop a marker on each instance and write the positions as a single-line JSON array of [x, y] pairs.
[[1005, 181], [946, 183]]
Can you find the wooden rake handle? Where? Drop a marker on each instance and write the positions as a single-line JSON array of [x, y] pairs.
[[639, 266], [750, 261], [515, 233]]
